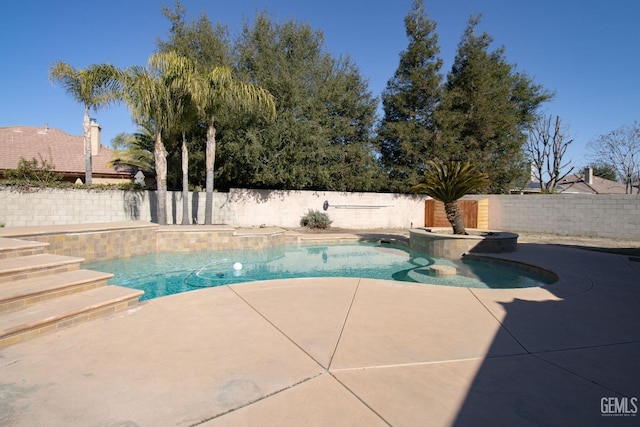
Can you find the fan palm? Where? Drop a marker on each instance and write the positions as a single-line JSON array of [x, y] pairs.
[[449, 181], [134, 149], [94, 87]]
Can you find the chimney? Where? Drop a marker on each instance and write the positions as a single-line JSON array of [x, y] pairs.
[[533, 173], [588, 175], [95, 137]]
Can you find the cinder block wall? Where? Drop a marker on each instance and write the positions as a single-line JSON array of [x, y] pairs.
[[603, 215], [242, 208], [613, 216], [346, 210], [58, 207]]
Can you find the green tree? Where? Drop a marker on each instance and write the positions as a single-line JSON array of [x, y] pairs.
[[321, 136], [406, 135], [156, 96], [94, 87], [486, 109], [448, 181], [33, 172], [208, 46]]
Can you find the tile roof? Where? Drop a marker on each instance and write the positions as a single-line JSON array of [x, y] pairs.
[[64, 151], [576, 183]]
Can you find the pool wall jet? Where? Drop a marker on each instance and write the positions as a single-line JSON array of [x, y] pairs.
[[440, 242]]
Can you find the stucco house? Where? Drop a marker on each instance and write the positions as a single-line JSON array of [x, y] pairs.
[[63, 151]]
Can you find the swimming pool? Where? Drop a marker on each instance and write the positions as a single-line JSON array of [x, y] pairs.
[[163, 274]]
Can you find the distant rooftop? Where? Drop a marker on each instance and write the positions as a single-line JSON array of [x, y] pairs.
[[579, 183], [590, 184], [64, 151]]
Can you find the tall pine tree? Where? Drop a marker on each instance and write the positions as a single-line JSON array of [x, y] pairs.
[[407, 136], [486, 109]]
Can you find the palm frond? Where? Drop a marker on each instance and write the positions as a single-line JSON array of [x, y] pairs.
[[134, 150], [449, 181]]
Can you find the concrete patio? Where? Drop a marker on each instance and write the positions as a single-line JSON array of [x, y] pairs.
[[348, 352]]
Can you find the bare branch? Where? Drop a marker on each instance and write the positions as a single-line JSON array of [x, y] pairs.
[[621, 149], [545, 148]]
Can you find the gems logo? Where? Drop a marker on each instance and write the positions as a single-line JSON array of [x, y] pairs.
[[619, 406]]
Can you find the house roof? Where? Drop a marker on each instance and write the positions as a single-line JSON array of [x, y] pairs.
[[576, 183], [64, 151]]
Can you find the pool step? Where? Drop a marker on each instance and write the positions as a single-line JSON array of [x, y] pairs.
[[24, 267], [41, 293], [19, 294], [52, 315], [11, 248]]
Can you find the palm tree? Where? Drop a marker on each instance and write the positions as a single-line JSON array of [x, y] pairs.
[[95, 87], [134, 149], [186, 122], [447, 182], [184, 151], [218, 90], [156, 95]]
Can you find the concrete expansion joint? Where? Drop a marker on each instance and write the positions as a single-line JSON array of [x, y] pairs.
[[273, 325], [587, 347], [502, 326], [249, 403], [373, 410], [577, 375], [404, 365]]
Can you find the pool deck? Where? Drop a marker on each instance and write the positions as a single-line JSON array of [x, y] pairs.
[[348, 352]]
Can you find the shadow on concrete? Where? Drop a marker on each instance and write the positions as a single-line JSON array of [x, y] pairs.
[[632, 252], [579, 360]]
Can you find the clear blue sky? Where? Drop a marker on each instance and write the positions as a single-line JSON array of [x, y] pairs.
[[587, 52]]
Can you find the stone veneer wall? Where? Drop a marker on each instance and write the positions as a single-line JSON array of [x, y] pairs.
[[453, 247], [177, 239], [96, 242]]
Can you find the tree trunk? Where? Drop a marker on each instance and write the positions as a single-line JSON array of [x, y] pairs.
[[185, 182], [454, 215], [86, 130], [160, 154], [210, 161]]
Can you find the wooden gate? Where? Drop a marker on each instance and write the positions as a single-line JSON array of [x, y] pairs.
[[435, 216]]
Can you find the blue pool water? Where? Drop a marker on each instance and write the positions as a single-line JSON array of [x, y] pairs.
[[170, 273]]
